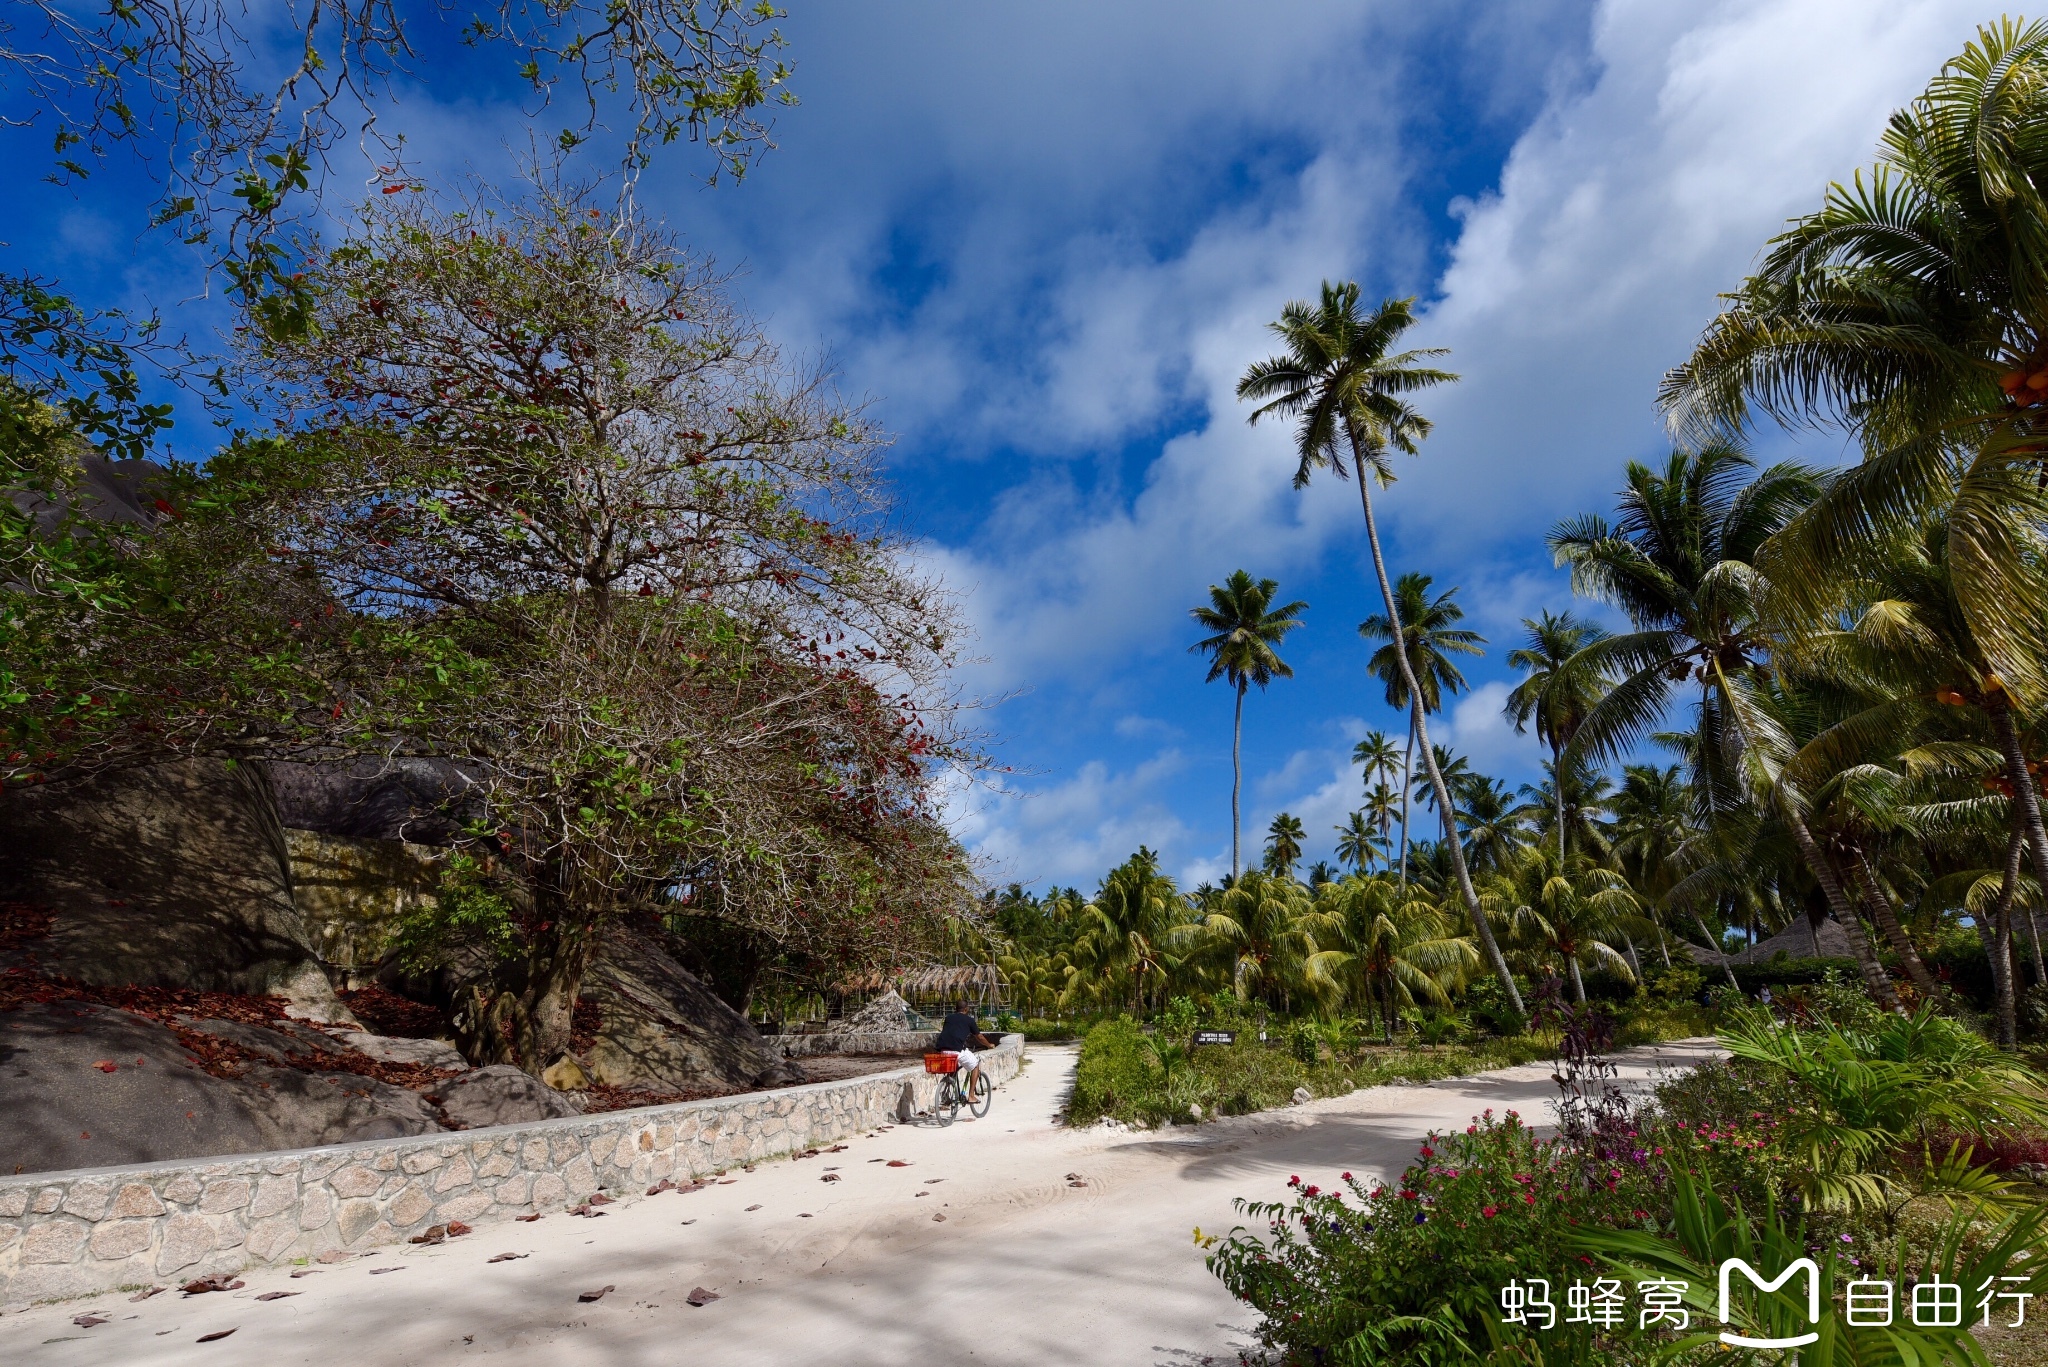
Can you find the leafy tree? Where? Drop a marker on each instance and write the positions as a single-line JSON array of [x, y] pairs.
[[538, 505], [1567, 912], [1358, 840], [1124, 952], [1348, 393], [1431, 637], [1260, 934], [1243, 649]]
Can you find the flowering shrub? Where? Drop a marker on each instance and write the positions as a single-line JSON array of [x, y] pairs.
[[1475, 1211]]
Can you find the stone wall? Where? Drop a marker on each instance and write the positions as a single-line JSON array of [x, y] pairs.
[[72, 1233]]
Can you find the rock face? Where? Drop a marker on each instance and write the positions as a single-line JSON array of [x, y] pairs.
[[502, 1095], [174, 875], [431, 1053], [60, 1109], [412, 799], [886, 1014], [350, 893], [663, 1030]]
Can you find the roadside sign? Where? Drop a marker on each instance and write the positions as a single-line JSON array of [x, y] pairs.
[[1215, 1036]]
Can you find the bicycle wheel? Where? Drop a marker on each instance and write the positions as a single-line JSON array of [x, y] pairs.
[[980, 1096], [946, 1105]]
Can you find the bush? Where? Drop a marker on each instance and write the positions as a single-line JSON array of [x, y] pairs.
[[1115, 1075], [1490, 1009], [1039, 1030]]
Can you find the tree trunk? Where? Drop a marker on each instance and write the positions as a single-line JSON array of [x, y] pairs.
[[1701, 922], [1663, 949], [1407, 780], [1895, 934], [1557, 782], [524, 1016], [1874, 979], [2034, 935], [1571, 962], [1236, 776], [2026, 797], [1488, 947], [1997, 939]]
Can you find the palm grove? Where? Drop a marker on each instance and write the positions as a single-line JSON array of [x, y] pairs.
[[1825, 702]]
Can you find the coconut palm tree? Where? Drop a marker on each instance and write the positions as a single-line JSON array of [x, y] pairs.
[[1579, 801], [1381, 805], [1379, 755], [1260, 935], [1429, 627], [1557, 693], [1651, 826], [1347, 390], [1568, 912], [1245, 633], [1383, 948], [1493, 823], [1357, 841], [1124, 951], [1283, 845], [1679, 559]]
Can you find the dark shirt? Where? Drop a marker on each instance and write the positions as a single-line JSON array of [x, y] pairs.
[[957, 1033]]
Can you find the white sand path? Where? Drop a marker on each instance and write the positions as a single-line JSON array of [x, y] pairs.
[[1024, 1269]]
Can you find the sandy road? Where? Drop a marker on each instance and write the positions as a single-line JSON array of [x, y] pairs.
[[1024, 1268]]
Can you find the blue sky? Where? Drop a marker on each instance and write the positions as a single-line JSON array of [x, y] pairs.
[[1043, 241]]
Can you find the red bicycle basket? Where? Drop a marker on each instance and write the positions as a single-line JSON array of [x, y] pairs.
[[942, 1063]]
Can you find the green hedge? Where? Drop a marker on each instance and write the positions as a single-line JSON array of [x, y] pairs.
[[1115, 1074]]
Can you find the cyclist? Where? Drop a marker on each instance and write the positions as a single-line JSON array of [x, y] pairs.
[[957, 1033]]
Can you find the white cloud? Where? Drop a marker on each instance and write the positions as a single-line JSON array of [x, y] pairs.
[[1075, 830], [1481, 732]]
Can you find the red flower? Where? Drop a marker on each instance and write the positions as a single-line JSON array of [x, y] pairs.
[[1489, 1211]]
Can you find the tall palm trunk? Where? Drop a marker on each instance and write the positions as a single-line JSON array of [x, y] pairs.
[[1236, 775], [1997, 939], [1571, 961], [1487, 945], [1895, 934], [2026, 797], [1407, 779], [1557, 782], [1874, 979]]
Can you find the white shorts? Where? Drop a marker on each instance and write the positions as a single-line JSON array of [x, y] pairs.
[[968, 1059]]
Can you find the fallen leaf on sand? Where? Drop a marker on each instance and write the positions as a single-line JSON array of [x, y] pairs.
[[216, 1334], [837, 1148], [87, 1321], [222, 1282], [380, 1271], [877, 1160], [933, 1181], [107, 1066], [307, 1272], [939, 1215], [898, 1163], [333, 1255], [1073, 1177], [596, 1295], [506, 1257], [829, 1177], [276, 1295], [146, 1292], [805, 1216], [753, 1207], [526, 1219], [659, 1187], [924, 1193], [456, 1229], [686, 1188], [584, 1210], [690, 1222], [727, 1181], [434, 1235], [600, 1200], [700, 1297], [1077, 1183]]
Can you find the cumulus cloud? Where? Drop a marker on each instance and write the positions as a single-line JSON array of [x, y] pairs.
[[1073, 830]]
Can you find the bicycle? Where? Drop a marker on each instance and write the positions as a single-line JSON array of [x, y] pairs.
[[977, 1095]]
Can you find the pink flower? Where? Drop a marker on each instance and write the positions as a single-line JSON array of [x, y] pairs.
[[1489, 1211]]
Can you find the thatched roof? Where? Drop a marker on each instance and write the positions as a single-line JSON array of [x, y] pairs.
[[938, 980], [1800, 940]]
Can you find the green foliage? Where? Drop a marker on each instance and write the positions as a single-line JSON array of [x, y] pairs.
[[1115, 1075], [469, 912]]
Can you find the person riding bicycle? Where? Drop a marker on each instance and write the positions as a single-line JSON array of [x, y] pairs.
[[957, 1033]]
